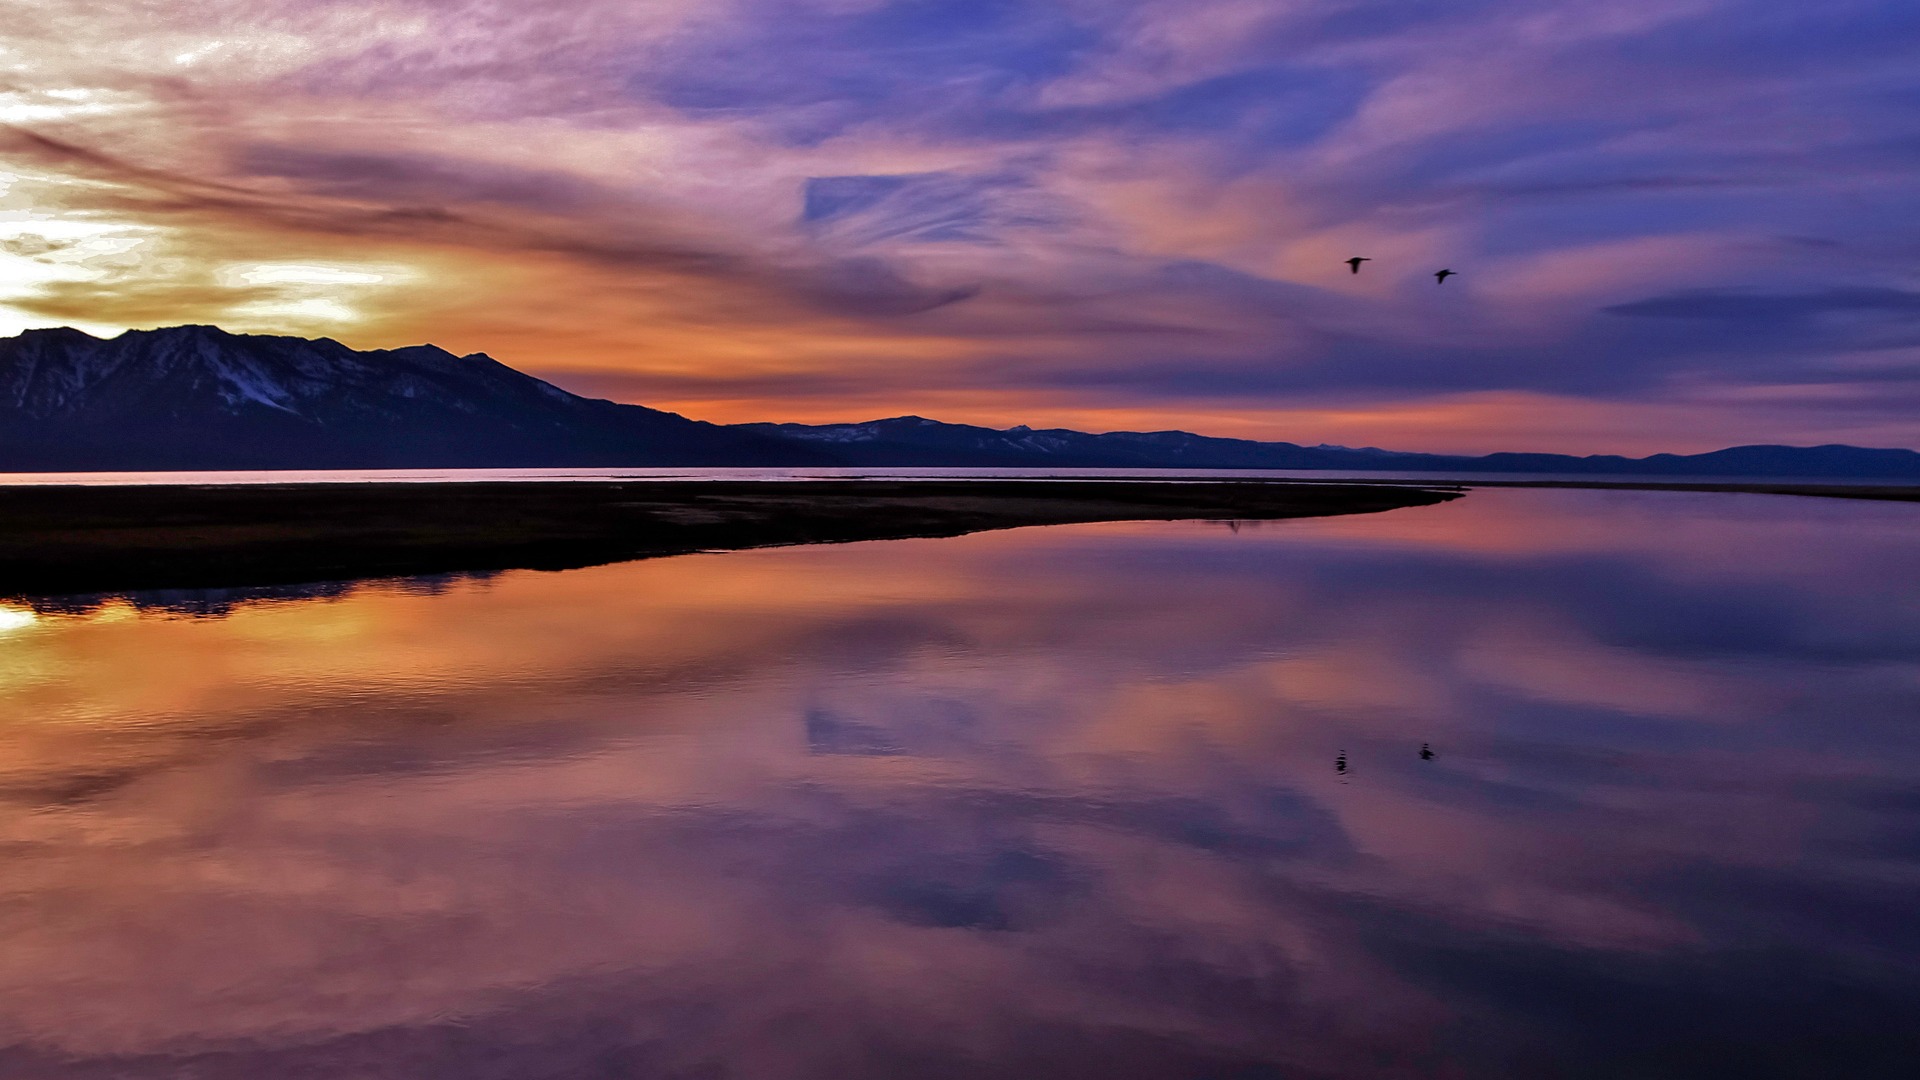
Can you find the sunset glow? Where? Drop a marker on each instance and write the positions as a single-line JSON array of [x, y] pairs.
[[1677, 226]]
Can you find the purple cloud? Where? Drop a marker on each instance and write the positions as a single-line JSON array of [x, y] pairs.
[[1108, 205]]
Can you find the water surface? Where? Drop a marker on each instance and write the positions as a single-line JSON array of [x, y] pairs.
[[245, 478], [1115, 801]]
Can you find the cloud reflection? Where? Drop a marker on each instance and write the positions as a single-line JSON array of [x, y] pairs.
[[1048, 801]]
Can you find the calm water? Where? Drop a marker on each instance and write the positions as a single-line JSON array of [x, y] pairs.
[[1045, 803], [456, 476]]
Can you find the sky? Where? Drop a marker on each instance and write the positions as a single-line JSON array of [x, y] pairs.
[[1677, 224]]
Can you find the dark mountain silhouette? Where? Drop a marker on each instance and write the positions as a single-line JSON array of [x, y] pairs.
[[196, 397], [914, 440]]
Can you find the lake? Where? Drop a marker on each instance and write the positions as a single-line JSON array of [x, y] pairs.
[[822, 472], [1534, 783]]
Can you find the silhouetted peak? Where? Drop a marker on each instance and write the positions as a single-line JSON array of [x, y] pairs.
[[185, 331], [58, 333]]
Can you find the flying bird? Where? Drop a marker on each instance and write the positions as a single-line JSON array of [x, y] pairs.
[[1440, 277], [1426, 751], [1355, 263]]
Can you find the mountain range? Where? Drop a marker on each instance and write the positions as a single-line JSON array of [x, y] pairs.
[[197, 397]]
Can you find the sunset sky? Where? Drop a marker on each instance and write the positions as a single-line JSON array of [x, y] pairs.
[[1678, 224]]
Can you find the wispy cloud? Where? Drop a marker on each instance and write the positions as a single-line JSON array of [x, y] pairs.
[[1042, 210]]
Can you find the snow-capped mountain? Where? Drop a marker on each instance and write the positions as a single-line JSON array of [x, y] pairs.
[[196, 397]]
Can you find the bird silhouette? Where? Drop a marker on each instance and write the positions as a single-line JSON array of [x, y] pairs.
[[1340, 763], [1440, 277], [1426, 751], [1355, 263]]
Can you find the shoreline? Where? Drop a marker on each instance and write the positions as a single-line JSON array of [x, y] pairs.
[[84, 540], [1888, 492]]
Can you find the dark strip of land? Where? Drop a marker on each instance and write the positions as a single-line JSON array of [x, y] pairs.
[[1883, 492], [58, 541], [1880, 492]]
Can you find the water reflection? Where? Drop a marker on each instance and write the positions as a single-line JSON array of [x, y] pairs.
[[216, 603], [1048, 802]]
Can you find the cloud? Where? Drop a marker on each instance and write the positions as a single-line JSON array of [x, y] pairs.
[[1765, 308], [840, 68], [1083, 206], [940, 207], [420, 178]]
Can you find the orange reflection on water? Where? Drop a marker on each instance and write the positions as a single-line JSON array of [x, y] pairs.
[[1049, 801]]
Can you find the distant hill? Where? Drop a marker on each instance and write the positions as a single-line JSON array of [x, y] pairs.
[[196, 397], [914, 440]]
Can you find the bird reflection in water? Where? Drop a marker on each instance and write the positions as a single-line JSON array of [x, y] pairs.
[[919, 808]]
